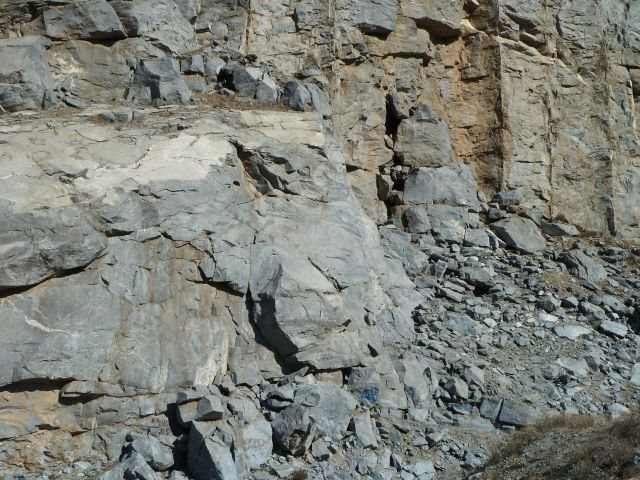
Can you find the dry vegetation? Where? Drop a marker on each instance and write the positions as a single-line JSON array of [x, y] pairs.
[[568, 447]]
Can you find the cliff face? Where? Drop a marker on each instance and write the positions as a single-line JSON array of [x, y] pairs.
[[229, 227]]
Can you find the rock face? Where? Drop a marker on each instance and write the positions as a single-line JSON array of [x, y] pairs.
[[25, 80], [270, 239]]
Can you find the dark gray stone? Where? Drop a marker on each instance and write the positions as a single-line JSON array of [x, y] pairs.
[[520, 233], [296, 96], [160, 21], [25, 79], [156, 454], [132, 467], [293, 430], [583, 266], [158, 81], [208, 456], [85, 19], [516, 414], [38, 246], [371, 16]]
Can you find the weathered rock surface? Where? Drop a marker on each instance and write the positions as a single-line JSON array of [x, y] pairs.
[[255, 239], [520, 233], [25, 79]]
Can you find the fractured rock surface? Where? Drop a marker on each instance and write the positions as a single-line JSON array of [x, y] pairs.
[[343, 239]]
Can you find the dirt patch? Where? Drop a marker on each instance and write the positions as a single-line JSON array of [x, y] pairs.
[[568, 447]]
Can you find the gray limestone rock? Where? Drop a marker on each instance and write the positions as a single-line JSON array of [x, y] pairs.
[[134, 466], [490, 408], [363, 430], [441, 17], [319, 100], [583, 266], [39, 246], [160, 21], [559, 229], [416, 385], [25, 79], [452, 185], [267, 89], [85, 19], [577, 367], [515, 413], [394, 242], [256, 443], [241, 79], [371, 16], [158, 81], [520, 233], [507, 198], [572, 332], [417, 220], [157, 455], [210, 407], [635, 375], [293, 430], [615, 329], [424, 140], [328, 406], [296, 96], [189, 9], [209, 457], [448, 223]]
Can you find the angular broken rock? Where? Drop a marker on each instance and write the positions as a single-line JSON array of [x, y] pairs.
[[363, 430], [371, 16], [424, 140], [442, 17], [85, 19], [156, 454], [132, 467], [210, 407], [158, 81], [256, 442], [520, 233], [572, 332], [25, 79], [38, 246], [615, 329], [293, 430], [208, 456], [161, 21], [559, 229], [583, 266], [452, 184], [515, 413], [329, 407]]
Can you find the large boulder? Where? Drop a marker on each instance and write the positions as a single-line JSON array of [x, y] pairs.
[[583, 266], [85, 19], [209, 457], [520, 233], [25, 79], [371, 16], [160, 21], [453, 185], [158, 81], [423, 140], [441, 17]]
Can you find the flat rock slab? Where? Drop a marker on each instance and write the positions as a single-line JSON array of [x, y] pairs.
[[520, 233], [615, 329], [583, 266], [515, 413]]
